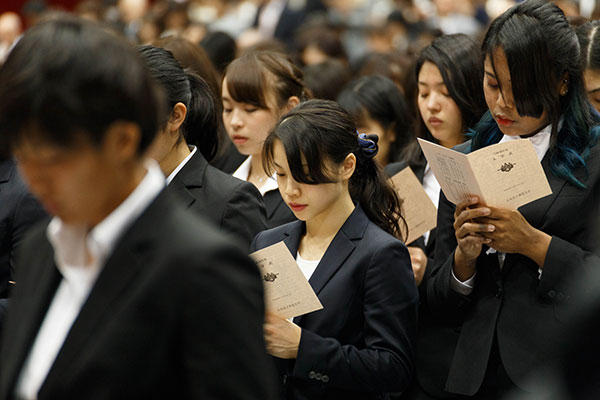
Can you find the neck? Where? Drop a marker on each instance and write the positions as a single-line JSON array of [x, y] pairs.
[[122, 187], [451, 143], [174, 157], [326, 224], [257, 173]]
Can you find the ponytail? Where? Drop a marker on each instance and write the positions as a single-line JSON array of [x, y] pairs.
[[201, 124], [371, 189]]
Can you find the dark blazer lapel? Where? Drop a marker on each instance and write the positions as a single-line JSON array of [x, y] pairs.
[[273, 201], [128, 258], [30, 312], [190, 176], [340, 248], [292, 236], [338, 251]]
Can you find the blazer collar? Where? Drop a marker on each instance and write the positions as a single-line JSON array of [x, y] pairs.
[[191, 176], [134, 251], [339, 249]]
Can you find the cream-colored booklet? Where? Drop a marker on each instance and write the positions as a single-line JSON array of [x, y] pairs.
[[418, 210], [505, 175], [287, 292]]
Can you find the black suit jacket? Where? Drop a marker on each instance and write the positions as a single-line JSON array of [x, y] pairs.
[[176, 312], [18, 211], [233, 205], [437, 338], [360, 345], [512, 304]]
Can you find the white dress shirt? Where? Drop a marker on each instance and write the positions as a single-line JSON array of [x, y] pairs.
[[307, 267], [243, 172], [173, 174], [541, 144], [432, 188], [79, 255]]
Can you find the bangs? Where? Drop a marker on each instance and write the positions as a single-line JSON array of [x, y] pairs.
[[246, 82], [302, 152], [533, 80]]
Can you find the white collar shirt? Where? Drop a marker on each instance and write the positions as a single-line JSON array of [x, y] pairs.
[[243, 172], [173, 174], [80, 255], [540, 141]]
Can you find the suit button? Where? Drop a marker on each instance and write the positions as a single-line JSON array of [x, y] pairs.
[[318, 376], [312, 374], [499, 293], [560, 296], [551, 294], [325, 378]]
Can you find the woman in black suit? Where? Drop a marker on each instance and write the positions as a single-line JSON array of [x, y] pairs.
[[450, 101], [360, 345], [187, 140], [507, 275], [258, 88]]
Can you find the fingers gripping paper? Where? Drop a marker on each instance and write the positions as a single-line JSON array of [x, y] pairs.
[[505, 175], [418, 210], [287, 292]]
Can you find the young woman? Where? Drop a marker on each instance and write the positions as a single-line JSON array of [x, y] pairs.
[[589, 40], [258, 88], [360, 345], [448, 73], [506, 275], [449, 97], [185, 142], [378, 107]]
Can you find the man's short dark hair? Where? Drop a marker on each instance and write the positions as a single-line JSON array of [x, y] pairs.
[[67, 77]]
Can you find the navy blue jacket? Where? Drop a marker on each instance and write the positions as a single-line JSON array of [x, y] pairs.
[[360, 345]]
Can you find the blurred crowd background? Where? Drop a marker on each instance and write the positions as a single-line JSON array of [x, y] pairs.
[[334, 40]]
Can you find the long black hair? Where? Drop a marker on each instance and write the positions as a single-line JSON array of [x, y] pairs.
[[543, 52], [321, 131], [201, 124], [458, 59], [378, 98]]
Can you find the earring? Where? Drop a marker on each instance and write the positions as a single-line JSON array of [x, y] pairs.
[[565, 88]]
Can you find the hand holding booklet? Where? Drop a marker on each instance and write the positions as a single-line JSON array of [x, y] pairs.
[[418, 210], [506, 175], [287, 292]]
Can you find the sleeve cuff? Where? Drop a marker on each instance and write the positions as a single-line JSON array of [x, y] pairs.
[[464, 288]]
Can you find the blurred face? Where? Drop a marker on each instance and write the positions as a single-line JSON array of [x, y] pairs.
[[247, 125], [502, 104], [439, 112], [307, 202], [386, 138], [79, 183], [592, 86]]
